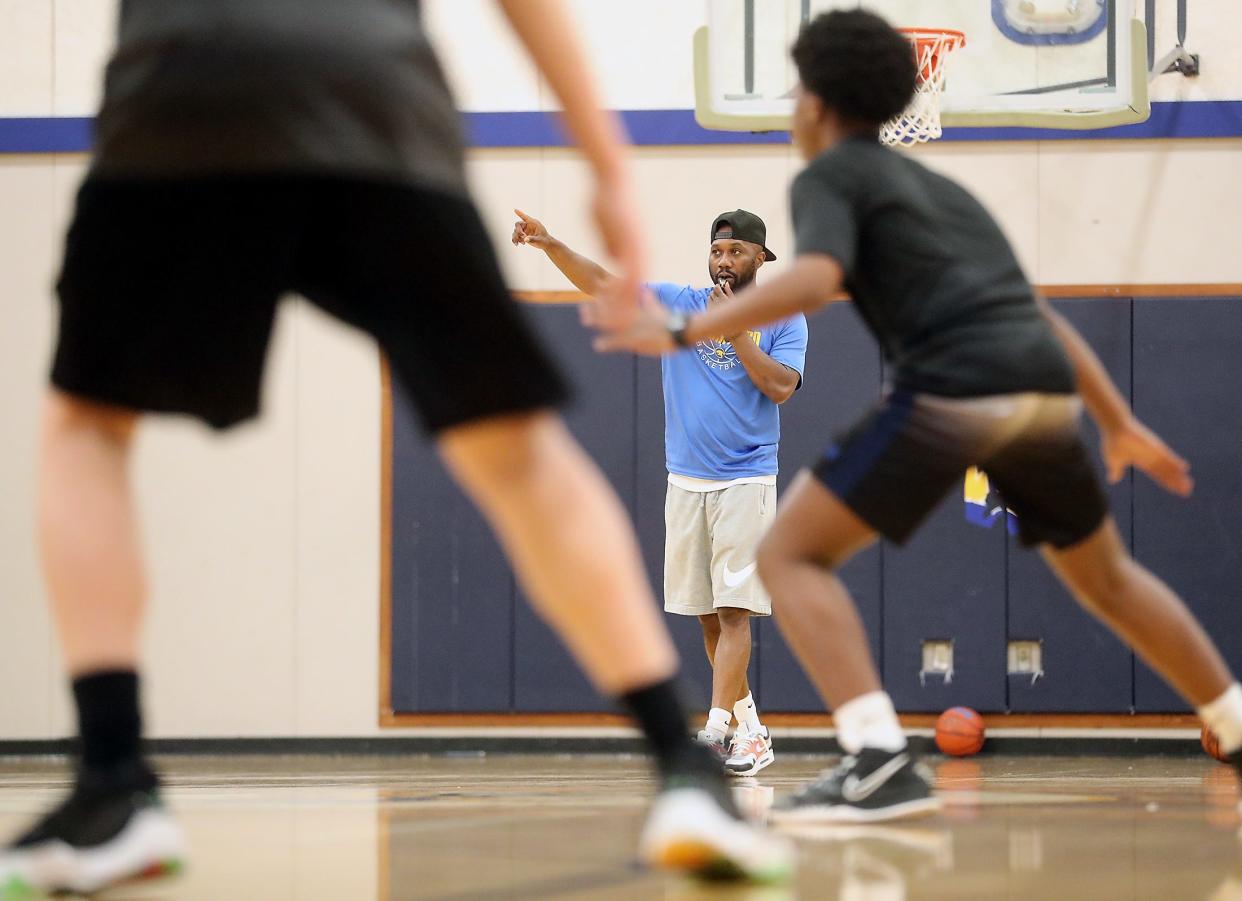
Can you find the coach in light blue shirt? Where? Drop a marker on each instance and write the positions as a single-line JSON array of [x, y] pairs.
[[721, 433]]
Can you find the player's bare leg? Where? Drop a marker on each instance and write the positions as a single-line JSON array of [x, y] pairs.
[[88, 533], [575, 552], [569, 541], [814, 534], [1151, 619], [112, 827]]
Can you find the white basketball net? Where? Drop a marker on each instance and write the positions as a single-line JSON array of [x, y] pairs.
[[921, 119]]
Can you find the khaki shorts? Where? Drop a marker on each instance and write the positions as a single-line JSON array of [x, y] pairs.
[[709, 548]]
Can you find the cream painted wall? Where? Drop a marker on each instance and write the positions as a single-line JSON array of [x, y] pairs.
[[264, 543]]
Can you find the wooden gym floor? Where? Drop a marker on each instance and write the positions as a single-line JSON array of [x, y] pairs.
[[357, 828]]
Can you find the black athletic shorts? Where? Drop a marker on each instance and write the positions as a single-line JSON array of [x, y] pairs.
[[896, 465], [170, 286]]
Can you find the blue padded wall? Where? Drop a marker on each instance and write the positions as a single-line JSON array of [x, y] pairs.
[[452, 592], [842, 382], [1086, 669], [947, 583], [1187, 369], [463, 639], [602, 418]]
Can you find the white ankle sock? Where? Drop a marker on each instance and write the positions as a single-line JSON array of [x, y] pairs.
[[1224, 717], [718, 722], [868, 721], [747, 714]]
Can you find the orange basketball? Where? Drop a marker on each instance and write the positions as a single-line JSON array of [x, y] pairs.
[[1211, 744], [959, 732]]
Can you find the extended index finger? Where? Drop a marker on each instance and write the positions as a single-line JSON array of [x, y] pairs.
[[1175, 473]]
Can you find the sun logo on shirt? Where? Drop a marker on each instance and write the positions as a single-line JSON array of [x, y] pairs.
[[718, 353]]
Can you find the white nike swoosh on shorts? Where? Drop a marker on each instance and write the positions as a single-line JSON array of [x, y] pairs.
[[734, 579]]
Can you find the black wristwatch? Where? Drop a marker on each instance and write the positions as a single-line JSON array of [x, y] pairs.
[[676, 325]]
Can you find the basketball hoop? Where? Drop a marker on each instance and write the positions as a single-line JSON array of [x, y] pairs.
[[921, 119]]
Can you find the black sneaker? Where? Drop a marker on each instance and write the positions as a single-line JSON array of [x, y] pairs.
[[101, 835], [872, 786]]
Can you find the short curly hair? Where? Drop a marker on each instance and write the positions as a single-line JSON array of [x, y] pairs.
[[857, 64]]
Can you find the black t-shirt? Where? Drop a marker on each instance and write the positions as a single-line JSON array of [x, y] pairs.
[[931, 273], [199, 87]]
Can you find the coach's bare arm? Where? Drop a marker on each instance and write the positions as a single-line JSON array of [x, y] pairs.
[[586, 275], [776, 380]]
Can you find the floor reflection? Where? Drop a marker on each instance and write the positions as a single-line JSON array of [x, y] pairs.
[[566, 827]]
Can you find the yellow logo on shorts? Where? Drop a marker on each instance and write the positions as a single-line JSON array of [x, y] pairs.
[[977, 487], [984, 506]]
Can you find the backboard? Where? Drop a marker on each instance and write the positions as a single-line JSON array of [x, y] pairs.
[[1041, 63]]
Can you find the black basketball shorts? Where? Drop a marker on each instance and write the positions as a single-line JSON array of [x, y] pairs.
[[170, 286], [896, 465]]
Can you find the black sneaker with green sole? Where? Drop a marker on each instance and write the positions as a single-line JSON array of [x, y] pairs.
[[105, 833]]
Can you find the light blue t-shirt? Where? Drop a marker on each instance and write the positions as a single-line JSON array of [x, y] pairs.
[[717, 423]]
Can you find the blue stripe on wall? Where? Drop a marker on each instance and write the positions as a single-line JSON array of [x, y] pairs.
[[45, 135], [662, 128]]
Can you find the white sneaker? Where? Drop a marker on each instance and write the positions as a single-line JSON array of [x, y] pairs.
[[750, 752], [688, 831], [714, 743]]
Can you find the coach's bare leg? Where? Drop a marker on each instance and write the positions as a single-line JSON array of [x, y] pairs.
[[569, 541], [88, 533], [732, 658], [813, 534], [711, 638], [711, 635], [1144, 613]]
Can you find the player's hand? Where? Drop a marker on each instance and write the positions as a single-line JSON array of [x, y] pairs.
[[529, 230], [641, 330], [1133, 444], [616, 218]]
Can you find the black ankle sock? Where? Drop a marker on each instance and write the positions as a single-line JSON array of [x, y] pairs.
[[662, 719], [109, 722]]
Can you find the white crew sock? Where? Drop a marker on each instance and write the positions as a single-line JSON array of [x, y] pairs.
[[748, 714], [868, 721], [1224, 717], [718, 722]]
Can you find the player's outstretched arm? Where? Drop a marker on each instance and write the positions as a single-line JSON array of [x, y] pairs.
[[1104, 402], [586, 275], [544, 29], [810, 282], [1125, 441]]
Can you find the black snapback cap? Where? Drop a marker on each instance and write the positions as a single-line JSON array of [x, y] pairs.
[[741, 225]]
